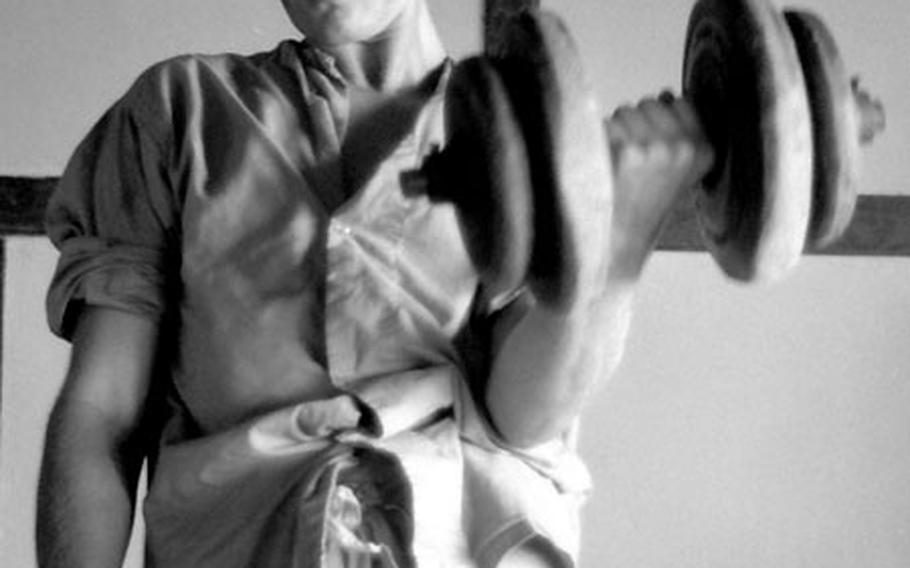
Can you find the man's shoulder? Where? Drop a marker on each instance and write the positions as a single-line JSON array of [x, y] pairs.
[[192, 69], [183, 78]]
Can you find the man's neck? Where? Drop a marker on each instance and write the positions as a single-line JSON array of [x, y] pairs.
[[399, 59]]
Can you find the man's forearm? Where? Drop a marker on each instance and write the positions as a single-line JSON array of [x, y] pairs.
[[551, 362], [87, 490]]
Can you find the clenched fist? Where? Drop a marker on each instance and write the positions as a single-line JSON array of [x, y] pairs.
[[659, 151]]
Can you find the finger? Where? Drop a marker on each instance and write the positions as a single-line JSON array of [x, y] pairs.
[[663, 118], [667, 96], [616, 126], [636, 125], [704, 151]]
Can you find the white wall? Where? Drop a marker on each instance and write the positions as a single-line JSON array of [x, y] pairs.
[[757, 428], [747, 427]]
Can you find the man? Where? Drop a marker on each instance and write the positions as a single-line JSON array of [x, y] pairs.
[[255, 306]]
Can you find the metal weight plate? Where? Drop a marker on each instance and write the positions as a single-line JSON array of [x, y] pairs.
[[742, 74], [835, 128], [567, 149], [483, 171]]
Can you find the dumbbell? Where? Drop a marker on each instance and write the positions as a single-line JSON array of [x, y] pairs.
[[527, 99]]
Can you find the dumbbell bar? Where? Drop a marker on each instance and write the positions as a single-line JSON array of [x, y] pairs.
[[743, 76]]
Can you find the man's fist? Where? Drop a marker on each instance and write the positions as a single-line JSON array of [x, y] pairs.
[[659, 151]]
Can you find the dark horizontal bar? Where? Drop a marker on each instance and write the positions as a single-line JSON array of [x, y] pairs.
[[880, 226], [22, 204]]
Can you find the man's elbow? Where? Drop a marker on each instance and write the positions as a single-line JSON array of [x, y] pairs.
[[525, 426]]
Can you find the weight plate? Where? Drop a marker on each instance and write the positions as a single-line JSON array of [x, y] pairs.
[[742, 74], [835, 128], [567, 150], [485, 174]]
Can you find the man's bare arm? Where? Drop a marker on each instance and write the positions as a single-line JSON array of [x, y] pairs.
[[550, 362], [551, 359], [93, 455]]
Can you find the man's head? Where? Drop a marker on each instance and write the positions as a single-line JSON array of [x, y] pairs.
[[332, 23]]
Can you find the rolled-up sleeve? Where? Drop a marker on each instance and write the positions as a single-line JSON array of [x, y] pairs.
[[114, 219]]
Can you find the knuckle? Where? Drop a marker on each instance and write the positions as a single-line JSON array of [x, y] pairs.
[[631, 157], [622, 110], [683, 152], [661, 152]]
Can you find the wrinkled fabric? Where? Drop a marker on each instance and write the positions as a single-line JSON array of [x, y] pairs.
[[211, 196], [271, 494]]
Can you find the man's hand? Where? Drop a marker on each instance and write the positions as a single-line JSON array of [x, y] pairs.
[[550, 360], [659, 151]]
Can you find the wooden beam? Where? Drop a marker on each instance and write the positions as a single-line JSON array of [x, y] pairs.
[[2, 304], [880, 226], [22, 204]]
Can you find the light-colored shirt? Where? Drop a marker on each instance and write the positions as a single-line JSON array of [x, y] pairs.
[[211, 198]]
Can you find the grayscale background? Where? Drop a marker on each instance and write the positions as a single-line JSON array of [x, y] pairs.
[[747, 428]]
